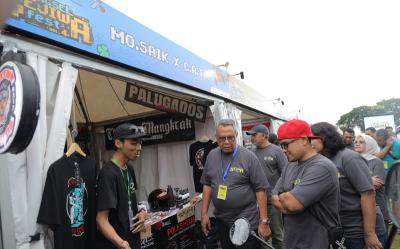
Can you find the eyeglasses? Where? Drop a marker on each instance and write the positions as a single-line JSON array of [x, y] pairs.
[[229, 138], [285, 145]]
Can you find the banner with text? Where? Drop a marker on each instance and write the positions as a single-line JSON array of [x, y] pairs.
[[162, 128], [96, 28], [164, 102]]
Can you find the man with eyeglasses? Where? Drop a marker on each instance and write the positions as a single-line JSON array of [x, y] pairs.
[[272, 161], [307, 192], [235, 182], [118, 217]]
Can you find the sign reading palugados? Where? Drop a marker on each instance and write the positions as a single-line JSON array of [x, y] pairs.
[[163, 102], [55, 17]]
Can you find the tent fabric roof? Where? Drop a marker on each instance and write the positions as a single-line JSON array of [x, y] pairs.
[[103, 99]]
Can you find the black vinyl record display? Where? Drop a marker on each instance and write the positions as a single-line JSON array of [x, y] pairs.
[[19, 106]]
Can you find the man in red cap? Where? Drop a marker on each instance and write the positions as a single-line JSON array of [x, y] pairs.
[[307, 192]]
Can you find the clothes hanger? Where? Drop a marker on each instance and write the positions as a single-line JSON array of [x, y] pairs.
[[204, 139], [73, 146]]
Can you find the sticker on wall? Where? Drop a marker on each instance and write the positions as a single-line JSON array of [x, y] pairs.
[[19, 106]]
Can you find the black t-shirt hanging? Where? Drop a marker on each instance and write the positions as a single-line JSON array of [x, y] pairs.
[[68, 203], [198, 152], [113, 195]]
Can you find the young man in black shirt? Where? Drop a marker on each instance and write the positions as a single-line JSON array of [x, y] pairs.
[[118, 217]]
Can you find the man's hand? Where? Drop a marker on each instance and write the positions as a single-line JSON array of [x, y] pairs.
[[372, 242], [205, 224], [196, 199], [139, 224], [378, 183], [124, 245], [264, 231], [389, 142]]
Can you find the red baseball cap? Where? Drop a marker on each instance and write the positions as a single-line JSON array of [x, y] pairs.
[[295, 128]]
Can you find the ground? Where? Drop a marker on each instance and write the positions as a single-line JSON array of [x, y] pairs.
[[396, 242]]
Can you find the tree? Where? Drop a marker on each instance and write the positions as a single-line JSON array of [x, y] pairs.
[[356, 116]]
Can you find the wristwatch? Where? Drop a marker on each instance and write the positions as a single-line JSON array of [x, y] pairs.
[[265, 221]]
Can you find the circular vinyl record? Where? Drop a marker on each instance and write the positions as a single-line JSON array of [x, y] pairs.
[[19, 106]]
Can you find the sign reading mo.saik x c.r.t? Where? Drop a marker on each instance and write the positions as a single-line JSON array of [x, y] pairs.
[[163, 102]]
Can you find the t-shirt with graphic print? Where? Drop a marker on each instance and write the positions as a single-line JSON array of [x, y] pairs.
[[273, 160], [245, 177], [68, 202], [354, 179], [112, 194], [198, 152], [314, 183]]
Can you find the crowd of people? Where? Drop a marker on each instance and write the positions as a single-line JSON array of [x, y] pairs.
[[318, 189]]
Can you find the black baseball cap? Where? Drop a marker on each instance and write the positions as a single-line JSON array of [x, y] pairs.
[[258, 128], [129, 131]]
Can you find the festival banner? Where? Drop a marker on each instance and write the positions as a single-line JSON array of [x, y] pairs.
[[98, 29]]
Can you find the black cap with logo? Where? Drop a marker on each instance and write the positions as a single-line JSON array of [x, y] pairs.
[[258, 128], [129, 131]]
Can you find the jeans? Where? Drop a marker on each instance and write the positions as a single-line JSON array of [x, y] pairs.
[[223, 232], [359, 243], [276, 226]]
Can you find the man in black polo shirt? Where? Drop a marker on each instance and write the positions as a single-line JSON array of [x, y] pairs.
[[118, 217]]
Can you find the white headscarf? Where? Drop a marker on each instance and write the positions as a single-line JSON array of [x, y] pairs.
[[371, 147]]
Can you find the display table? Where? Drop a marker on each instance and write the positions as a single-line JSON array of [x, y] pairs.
[[169, 230]]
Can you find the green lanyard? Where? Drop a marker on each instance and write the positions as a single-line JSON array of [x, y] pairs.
[[127, 181]]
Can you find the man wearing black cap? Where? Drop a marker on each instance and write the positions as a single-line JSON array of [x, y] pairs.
[[272, 160], [118, 217]]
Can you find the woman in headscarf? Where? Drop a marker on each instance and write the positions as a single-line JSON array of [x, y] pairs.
[[368, 147]]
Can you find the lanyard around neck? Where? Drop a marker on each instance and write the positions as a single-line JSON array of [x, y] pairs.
[[228, 166], [127, 181]]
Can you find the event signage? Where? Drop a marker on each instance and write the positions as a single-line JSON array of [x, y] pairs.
[[9, 106], [171, 233], [379, 122], [162, 129], [19, 106], [100, 30], [163, 102]]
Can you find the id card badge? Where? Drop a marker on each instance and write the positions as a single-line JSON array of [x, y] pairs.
[[131, 221], [222, 191]]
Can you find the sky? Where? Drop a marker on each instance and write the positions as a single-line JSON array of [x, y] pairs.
[[322, 58]]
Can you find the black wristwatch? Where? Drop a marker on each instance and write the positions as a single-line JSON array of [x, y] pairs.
[[265, 221]]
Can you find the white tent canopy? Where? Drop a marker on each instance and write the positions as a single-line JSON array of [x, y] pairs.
[[101, 88]]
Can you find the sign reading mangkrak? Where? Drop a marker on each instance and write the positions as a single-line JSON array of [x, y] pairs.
[[163, 102], [162, 128]]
